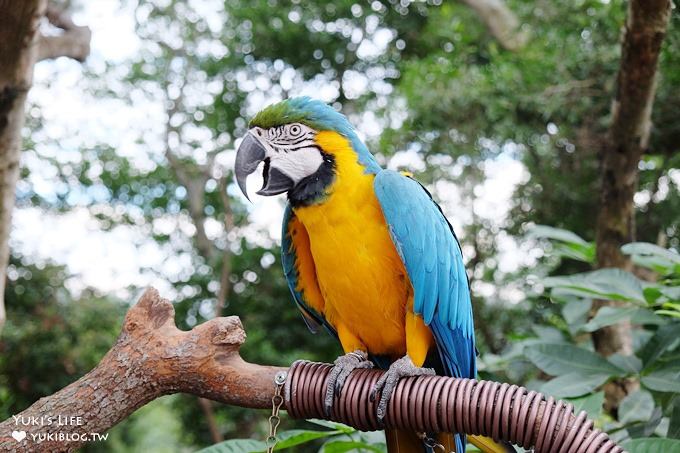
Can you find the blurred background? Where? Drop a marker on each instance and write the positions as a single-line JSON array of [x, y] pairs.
[[126, 182]]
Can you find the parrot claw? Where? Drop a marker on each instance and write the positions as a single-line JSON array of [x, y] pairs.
[[401, 368], [342, 368]]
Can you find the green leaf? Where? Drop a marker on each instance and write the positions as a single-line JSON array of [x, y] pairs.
[[652, 294], [548, 334], [287, 439], [659, 294], [606, 316], [332, 425], [671, 313], [629, 363], [592, 404], [662, 428], [342, 446], [573, 385], [558, 295], [652, 445], [637, 406], [664, 338], [674, 422], [372, 437], [653, 257], [236, 446], [646, 428], [649, 249], [569, 244], [663, 380], [559, 359], [645, 316], [295, 437], [671, 292], [610, 284], [585, 253], [557, 234], [659, 266], [576, 310]]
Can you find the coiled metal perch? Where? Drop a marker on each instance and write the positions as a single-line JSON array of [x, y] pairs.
[[443, 404]]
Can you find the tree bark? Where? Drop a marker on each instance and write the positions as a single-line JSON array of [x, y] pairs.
[[628, 137], [501, 22], [21, 45], [19, 35], [151, 358]]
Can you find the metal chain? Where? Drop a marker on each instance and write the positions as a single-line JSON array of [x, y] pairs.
[[432, 443], [274, 419]]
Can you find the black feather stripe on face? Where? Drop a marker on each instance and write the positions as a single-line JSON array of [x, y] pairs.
[[312, 189]]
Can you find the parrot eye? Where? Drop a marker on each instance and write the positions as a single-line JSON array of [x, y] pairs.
[[295, 130]]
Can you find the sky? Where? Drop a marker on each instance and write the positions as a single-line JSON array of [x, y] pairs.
[[112, 261]]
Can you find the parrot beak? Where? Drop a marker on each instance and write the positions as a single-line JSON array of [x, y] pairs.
[[248, 157]]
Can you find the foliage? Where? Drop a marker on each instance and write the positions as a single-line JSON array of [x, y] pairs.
[[49, 333], [338, 439], [652, 309]]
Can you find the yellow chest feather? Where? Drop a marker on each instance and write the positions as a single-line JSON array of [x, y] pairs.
[[361, 277]]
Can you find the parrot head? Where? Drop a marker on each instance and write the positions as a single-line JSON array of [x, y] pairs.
[[285, 137]]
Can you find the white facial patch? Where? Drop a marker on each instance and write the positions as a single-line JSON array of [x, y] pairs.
[[298, 164], [291, 149]]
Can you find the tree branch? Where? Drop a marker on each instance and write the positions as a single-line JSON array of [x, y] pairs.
[[151, 358], [501, 22], [74, 42]]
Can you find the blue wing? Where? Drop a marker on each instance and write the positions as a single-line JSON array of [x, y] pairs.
[[432, 256], [289, 256]]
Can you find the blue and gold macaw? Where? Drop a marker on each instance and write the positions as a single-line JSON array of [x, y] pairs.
[[367, 253]]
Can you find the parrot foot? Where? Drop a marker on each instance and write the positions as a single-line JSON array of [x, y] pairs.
[[342, 368], [401, 368]]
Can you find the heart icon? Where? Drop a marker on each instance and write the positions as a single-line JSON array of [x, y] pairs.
[[19, 435]]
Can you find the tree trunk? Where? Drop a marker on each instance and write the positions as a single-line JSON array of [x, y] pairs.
[[209, 414], [21, 45], [628, 138], [19, 23]]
